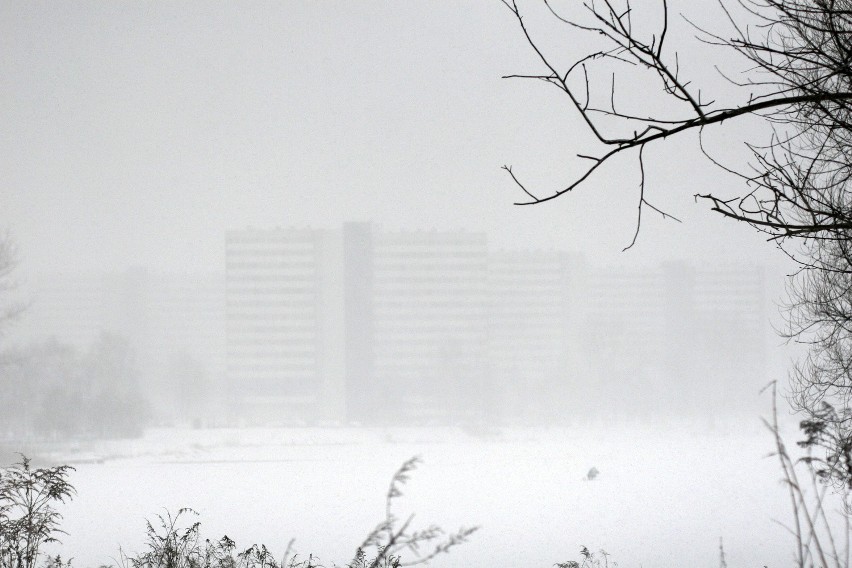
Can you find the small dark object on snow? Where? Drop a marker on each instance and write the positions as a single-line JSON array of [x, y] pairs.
[[593, 473]]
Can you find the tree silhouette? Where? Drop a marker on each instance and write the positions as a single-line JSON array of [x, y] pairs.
[[796, 57]]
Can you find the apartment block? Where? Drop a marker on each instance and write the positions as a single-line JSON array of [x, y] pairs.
[[283, 361], [532, 359], [364, 325], [430, 318]]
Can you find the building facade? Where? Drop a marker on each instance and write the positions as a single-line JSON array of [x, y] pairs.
[[364, 325], [532, 359], [430, 321], [284, 348]]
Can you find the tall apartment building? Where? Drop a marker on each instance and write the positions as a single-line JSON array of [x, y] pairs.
[[532, 357], [285, 352], [363, 325], [430, 322], [730, 307], [374, 326], [672, 339]]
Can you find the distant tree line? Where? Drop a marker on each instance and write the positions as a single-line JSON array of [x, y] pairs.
[[55, 391]]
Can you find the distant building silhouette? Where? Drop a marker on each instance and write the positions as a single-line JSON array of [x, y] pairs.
[[430, 323], [371, 326], [532, 359], [393, 324], [284, 294]]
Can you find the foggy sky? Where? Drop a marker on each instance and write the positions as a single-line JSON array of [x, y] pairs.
[[136, 133]]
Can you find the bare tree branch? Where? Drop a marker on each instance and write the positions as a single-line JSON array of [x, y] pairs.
[[796, 187]]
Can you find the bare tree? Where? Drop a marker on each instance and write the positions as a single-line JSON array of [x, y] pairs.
[[821, 316], [796, 80]]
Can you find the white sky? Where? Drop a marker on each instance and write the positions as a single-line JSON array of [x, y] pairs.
[[136, 133]]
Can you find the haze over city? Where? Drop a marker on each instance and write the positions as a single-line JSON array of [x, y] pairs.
[[267, 249]]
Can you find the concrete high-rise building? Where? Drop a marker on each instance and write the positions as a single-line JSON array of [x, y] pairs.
[[284, 334], [430, 323], [531, 355], [366, 325], [672, 339], [362, 325], [364, 402], [730, 306], [374, 326]]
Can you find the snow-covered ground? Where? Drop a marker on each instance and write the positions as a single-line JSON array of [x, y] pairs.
[[663, 498]]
